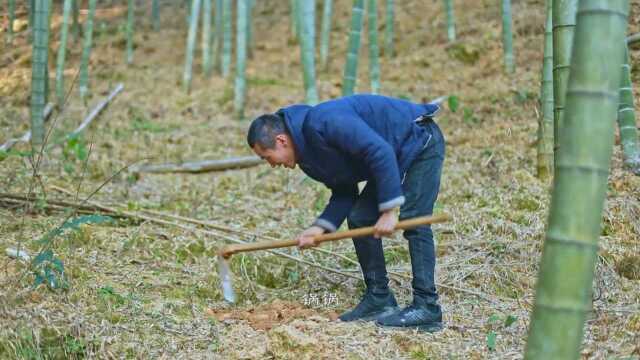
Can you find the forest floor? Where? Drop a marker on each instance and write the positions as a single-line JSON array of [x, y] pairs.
[[137, 288]]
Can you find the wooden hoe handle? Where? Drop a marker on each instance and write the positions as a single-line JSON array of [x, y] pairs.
[[365, 231]]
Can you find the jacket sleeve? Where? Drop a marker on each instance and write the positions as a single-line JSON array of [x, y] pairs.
[[338, 208], [350, 134]]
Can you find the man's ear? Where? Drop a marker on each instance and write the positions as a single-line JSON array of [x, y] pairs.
[[282, 139]]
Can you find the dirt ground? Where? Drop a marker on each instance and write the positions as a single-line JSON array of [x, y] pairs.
[[139, 288]]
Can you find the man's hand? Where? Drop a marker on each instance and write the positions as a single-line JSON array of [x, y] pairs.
[[306, 239], [386, 223]]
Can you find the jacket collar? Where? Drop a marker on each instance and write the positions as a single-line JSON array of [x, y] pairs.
[[294, 118]]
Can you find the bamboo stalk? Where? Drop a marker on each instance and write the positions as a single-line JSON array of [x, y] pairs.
[[130, 20], [388, 29], [351, 67], [39, 67], [507, 37], [293, 18], [206, 37], [451, 22], [564, 289], [326, 34], [627, 119], [191, 42], [545, 123], [374, 62], [307, 45], [242, 11], [155, 14], [564, 22], [83, 82], [12, 17], [217, 38], [66, 12], [197, 167], [226, 38]]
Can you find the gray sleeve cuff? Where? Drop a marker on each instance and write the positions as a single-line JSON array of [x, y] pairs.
[[325, 224], [391, 204]]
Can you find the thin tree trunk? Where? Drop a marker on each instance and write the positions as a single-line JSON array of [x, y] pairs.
[[206, 37], [351, 67], [39, 66], [242, 10], [12, 17], [563, 294], [191, 44], [564, 22], [326, 34], [374, 53], [66, 12], [507, 37], [75, 28], [294, 19], [307, 45], [155, 14], [130, 18], [83, 82], [451, 21], [545, 125], [226, 37], [250, 37], [388, 29], [627, 119], [217, 37]]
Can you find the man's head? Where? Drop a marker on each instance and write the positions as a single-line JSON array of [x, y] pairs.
[[269, 139]]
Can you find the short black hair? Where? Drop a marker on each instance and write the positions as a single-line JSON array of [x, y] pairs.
[[264, 129]]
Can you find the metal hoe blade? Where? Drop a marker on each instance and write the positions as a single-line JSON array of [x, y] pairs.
[[225, 280]]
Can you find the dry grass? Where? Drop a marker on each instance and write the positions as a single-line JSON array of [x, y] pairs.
[[142, 290]]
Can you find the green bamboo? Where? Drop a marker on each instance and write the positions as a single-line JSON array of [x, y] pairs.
[[191, 44], [451, 21], [226, 38], [12, 17], [66, 13], [241, 57], [507, 37], [250, 38], [217, 38], [206, 37], [564, 22], [307, 44], [545, 125], [130, 16], [388, 29], [326, 32], [351, 67], [75, 28], [563, 294], [627, 118], [374, 62], [188, 6], [39, 65], [293, 16], [83, 82], [155, 14]]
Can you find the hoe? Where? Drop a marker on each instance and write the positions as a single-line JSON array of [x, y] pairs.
[[223, 255]]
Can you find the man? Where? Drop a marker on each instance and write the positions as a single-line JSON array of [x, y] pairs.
[[395, 147]]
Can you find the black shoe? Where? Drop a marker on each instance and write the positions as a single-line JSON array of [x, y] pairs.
[[371, 306], [425, 318]]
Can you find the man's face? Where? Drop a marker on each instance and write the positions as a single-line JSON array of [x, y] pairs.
[[282, 153]]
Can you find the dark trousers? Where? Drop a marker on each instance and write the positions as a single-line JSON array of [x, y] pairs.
[[420, 187]]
